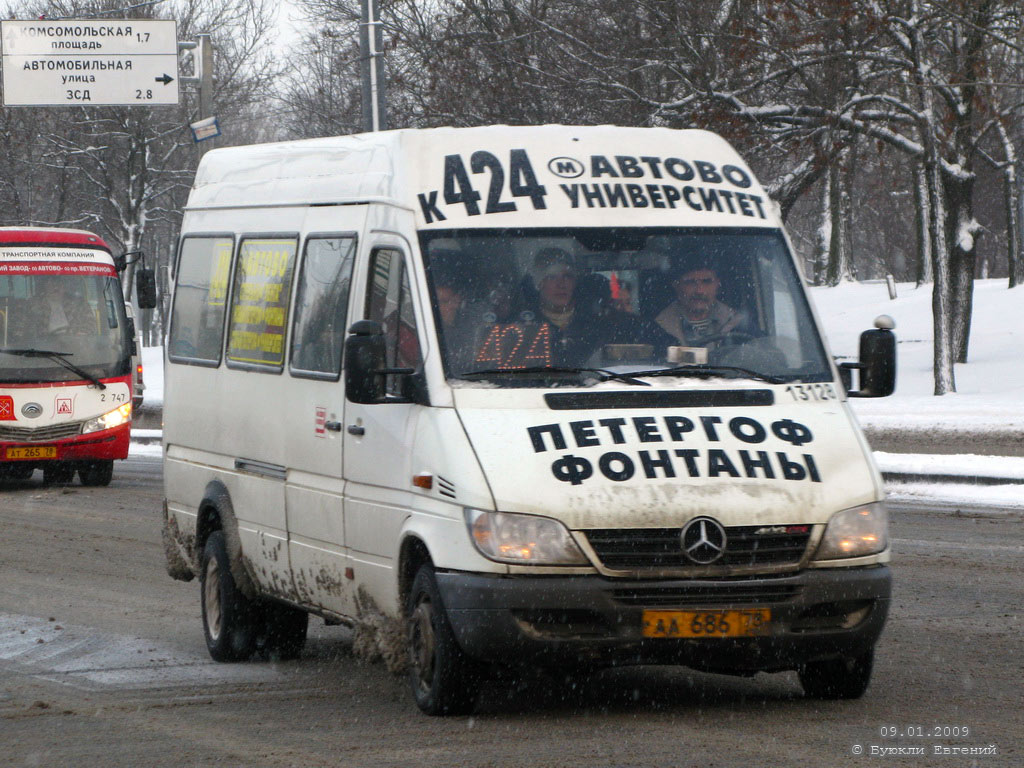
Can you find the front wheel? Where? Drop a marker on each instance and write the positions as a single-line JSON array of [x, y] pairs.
[[444, 680], [97, 473], [16, 470], [229, 617], [844, 678]]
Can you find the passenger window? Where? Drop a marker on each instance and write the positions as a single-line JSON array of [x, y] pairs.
[[321, 306], [389, 302], [259, 302], [197, 321]]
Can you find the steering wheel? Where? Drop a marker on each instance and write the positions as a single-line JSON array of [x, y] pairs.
[[729, 338]]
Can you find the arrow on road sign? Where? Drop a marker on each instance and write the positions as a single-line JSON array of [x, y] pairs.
[[166, 79]]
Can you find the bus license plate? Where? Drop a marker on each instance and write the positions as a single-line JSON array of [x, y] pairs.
[[706, 623], [32, 452]]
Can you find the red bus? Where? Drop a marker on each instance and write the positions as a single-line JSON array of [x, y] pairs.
[[66, 349]]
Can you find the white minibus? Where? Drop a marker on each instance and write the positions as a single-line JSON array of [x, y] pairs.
[[502, 397]]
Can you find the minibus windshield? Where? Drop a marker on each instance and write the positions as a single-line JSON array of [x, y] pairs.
[[516, 306], [61, 327]]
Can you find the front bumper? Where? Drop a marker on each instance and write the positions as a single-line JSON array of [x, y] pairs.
[[815, 614], [94, 446]]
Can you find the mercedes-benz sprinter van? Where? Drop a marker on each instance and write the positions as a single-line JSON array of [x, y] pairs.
[[516, 396]]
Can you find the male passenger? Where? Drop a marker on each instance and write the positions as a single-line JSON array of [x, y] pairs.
[[697, 317], [453, 281], [581, 312]]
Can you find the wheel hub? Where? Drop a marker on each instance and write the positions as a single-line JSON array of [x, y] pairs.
[[422, 644], [211, 594]]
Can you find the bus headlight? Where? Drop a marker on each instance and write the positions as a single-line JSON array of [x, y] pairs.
[[855, 532], [507, 537], [109, 420]]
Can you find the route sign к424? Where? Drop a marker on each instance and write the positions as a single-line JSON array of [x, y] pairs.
[[90, 62]]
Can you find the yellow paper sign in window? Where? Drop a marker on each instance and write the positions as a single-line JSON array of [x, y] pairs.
[[259, 305]]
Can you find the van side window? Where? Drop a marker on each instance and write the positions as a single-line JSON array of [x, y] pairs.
[[389, 301], [321, 306], [259, 301], [197, 321]]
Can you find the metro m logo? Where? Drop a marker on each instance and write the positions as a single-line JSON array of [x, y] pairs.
[[566, 167]]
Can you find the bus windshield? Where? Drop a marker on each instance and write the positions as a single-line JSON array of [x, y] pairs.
[[79, 317], [512, 306]]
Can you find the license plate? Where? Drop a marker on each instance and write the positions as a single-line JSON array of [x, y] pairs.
[[32, 452], [706, 623]]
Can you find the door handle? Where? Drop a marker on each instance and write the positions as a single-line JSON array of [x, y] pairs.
[[334, 426], [354, 429]]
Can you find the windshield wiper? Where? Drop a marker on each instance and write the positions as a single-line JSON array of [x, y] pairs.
[[709, 371], [59, 357], [533, 370]]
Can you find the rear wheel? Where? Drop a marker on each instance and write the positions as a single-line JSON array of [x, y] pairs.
[[284, 632], [844, 678], [58, 473], [444, 680], [229, 617], [96, 472]]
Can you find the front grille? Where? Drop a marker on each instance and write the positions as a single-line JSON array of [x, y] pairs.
[[642, 548], [707, 594], [40, 434]]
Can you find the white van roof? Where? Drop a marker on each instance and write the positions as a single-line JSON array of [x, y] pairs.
[[500, 176]]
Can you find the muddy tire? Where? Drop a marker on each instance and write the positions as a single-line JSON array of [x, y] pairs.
[[58, 473], [96, 473], [845, 678], [283, 633], [444, 680], [229, 617]]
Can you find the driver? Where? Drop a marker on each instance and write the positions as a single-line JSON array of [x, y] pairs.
[[59, 310], [697, 317]]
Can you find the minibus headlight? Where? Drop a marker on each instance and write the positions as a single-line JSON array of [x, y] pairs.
[[109, 420], [855, 532], [523, 539]]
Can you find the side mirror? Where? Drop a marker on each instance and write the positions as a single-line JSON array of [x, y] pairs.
[[145, 288], [364, 361], [877, 364], [120, 262]]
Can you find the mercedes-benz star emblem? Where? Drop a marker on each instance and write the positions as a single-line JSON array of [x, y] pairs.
[[703, 540]]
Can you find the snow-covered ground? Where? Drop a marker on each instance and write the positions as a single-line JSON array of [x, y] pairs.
[[990, 387]]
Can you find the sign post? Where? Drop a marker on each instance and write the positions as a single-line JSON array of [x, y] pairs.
[[370, 44], [90, 62]]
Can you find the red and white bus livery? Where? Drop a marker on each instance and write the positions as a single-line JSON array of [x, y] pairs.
[[65, 357]]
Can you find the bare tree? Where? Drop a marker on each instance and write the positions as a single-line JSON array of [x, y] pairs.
[[808, 90], [125, 171]]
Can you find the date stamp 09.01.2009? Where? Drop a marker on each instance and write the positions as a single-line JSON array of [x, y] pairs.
[[925, 740]]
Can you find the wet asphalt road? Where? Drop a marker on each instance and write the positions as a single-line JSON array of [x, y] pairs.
[[102, 663]]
